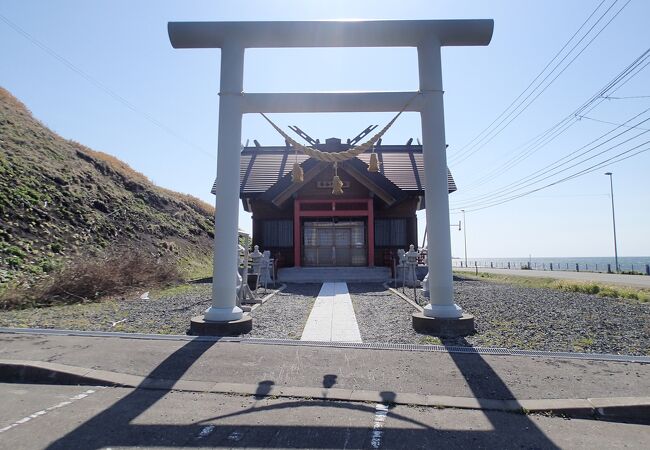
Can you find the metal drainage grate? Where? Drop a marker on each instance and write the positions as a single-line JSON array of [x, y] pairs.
[[585, 356], [451, 349], [115, 334]]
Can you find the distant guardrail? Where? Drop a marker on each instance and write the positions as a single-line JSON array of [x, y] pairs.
[[635, 269]]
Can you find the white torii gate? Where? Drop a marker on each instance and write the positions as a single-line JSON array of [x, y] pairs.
[[428, 36]]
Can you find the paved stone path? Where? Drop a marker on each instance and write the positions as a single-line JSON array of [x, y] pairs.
[[637, 281], [332, 317]]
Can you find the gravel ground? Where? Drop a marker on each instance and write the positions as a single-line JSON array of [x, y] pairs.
[[381, 315], [167, 314], [284, 315], [506, 316], [547, 319]]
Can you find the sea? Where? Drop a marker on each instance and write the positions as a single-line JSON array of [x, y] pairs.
[[589, 264]]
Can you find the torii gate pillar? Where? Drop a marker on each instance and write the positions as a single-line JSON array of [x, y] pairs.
[[432, 117], [442, 316]]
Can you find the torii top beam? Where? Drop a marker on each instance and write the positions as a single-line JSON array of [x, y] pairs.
[[377, 33]]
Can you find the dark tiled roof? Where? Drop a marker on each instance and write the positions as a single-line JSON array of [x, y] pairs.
[[263, 167]]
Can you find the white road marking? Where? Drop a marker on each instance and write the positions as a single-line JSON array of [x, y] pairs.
[[205, 432], [60, 405], [235, 436], [46, 410], [332, 317], [113, 324], [381, 411], [80, 396]]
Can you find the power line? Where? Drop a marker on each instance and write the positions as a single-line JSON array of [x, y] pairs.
[[610, 123], [563, 160], [492, 133], [521, 184], [613, 160], [495, 134], [541, 140], [516, 185], [502, 196], [98, 84], [535, 79], [525, 104], [609, 97], [570, 195]]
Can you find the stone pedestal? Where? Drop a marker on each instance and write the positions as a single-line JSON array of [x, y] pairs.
[[201, 327], [407, 276], [253, 281], [462, 326], [399, 273]]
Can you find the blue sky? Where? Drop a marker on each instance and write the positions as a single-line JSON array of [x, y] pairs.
[[124, 47]]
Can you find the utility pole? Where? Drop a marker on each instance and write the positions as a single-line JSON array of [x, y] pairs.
[[611, 188], [465, 235]]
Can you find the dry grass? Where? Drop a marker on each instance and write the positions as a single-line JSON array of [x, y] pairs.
[[117, 165], [91, 277], [599, 289], [195, 203], [7, 98], [133, 175]]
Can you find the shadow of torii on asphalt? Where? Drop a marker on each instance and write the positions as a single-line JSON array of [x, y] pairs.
[[116, 426]]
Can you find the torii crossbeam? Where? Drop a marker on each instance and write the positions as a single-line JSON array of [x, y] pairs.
[[233, 38]]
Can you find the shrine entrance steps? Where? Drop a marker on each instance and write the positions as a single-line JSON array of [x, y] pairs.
[[323, 274]]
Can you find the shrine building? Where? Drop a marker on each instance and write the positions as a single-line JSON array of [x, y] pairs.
[[303, 224]]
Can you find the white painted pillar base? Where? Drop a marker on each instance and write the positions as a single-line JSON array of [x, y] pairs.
[[452, 311], [440, 277], [213, 314]]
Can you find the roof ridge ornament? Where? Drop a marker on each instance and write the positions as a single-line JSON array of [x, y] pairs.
[[335, 157]]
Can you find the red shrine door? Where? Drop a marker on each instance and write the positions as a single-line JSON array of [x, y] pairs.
[[333, 242], [334, 233]]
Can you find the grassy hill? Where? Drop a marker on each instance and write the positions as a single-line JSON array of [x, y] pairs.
[[60, 200]]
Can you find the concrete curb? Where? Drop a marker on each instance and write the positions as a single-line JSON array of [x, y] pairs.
[[435, 348], [637, 408]]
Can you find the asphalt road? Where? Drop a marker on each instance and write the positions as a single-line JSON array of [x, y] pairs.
[[636, 281], [66, 417]]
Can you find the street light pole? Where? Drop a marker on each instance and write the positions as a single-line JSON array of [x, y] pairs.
[[465, 235], [611, 188]]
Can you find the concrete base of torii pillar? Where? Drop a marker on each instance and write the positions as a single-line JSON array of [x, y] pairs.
[[461, 326], [447, 320], [201, 327]]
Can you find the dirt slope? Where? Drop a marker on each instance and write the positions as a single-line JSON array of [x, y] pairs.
[[59, 198]]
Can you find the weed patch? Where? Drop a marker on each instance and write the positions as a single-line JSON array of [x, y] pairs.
[[174, 290], [601, 290], [90, 277], [430, 340], [583, 343]]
